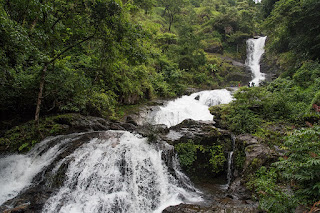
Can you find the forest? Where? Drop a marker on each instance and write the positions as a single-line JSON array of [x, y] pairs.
[[105, 57]]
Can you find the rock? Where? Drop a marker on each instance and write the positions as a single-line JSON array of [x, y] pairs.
[[223, 206], [256, 153], [148, 129], [247, 139], [116, 126], [80, 123], [18, 209], [244, 77], [216, 48], [239, 190], [129, 126], [197, 97], [191, 90], [186, 208], [130, 120]]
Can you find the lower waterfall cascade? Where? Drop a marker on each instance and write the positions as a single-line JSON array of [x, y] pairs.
[[17, 171], [115, 172]]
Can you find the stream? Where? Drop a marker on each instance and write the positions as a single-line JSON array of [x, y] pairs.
[[115, 170]]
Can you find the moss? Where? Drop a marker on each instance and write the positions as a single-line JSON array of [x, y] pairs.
[[255, 164], [23, 137]]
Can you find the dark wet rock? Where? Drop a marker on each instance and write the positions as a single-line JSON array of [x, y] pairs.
[[143, 115], [148, 129], [116, 126], [80, 123], [202, 132], [191, 90], [226, 205], [268, 67], [217, 112], [21, 208], [130, 120], [129, 126], [243, 77], [186, 208], [197, 97], [214, 48], [238, 190]]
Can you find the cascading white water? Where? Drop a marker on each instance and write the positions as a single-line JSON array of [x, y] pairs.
[[119, 172], [194, 106], [17, 171], [230, 162], [255, 50], [116, 171]]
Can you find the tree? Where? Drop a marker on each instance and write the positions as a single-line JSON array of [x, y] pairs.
[[298, 31], [172, 9]]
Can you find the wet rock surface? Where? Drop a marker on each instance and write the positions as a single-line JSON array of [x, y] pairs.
[[226, 205], [257, 154]]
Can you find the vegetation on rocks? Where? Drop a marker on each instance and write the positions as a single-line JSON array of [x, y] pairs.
[[207, 159]]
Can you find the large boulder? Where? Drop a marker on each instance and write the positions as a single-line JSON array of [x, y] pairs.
[[257, 154]]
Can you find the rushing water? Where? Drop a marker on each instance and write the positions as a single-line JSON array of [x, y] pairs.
[[194, 106], [255, 50], [18, 171], [115, 172]]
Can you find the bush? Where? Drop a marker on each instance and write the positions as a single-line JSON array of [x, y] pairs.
[[302, 165], [273, 197]]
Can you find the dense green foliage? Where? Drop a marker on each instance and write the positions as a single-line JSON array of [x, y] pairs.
[[300, 168], [293, 31], [93, 56], [197, 158], [285, 99]]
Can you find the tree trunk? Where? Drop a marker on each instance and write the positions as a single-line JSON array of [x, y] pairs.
[[42, 80], [43, 75]]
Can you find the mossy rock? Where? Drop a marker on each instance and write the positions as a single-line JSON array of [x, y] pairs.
[[23, 137]]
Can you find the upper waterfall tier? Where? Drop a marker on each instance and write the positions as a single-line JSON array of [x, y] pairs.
[[255, 50]]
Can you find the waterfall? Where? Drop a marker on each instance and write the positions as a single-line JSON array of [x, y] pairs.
[[255, 50], [114, 171], [230, 162], [17, 171], [194, 106]]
